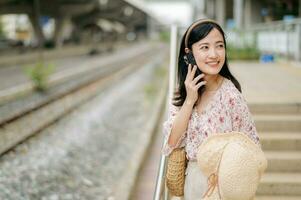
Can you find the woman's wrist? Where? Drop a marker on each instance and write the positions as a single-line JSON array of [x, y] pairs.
[[188, 103]]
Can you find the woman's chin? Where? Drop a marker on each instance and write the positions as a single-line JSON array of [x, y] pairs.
[[211, 72]]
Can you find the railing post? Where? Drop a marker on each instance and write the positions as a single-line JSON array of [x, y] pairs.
[[172, 63], [160, 184], [286, 28]]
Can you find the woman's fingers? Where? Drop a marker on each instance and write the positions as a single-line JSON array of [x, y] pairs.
[[193, 72], [189, 71], [200, 84], [196, 79], [191, 82]]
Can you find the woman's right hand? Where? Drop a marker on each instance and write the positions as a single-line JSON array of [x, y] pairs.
[[192, 86]]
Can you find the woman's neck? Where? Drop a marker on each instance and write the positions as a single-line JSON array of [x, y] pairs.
[[213, 82]]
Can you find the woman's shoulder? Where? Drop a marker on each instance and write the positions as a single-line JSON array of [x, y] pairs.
[[230, 91]]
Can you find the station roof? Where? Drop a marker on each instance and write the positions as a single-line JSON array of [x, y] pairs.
[[127, 12]]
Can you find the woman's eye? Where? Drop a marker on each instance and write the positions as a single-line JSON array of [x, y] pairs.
[[221, 46], [204, 47]]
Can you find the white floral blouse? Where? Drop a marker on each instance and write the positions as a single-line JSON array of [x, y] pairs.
[[226, 112]]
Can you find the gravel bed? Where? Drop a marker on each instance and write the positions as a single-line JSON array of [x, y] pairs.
[[83, 155]]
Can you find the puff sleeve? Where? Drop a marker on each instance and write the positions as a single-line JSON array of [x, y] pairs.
[[241, 117], [167, 126]]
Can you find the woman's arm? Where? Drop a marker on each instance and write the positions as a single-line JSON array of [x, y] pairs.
[[176, 126], [180, 123], [178, 119]]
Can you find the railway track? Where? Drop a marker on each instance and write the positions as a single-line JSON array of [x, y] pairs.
[[23, 123]]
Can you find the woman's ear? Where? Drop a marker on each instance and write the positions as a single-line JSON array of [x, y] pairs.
[[187, 50]]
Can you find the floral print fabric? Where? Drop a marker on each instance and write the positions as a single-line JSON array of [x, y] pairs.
[[226, 112]]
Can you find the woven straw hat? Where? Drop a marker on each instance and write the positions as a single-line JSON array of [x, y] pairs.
[[233, 164]]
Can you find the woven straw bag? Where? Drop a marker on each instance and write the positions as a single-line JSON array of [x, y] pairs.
[[175, 175]]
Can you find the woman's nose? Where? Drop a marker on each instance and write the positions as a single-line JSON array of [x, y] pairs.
[[212, 53]]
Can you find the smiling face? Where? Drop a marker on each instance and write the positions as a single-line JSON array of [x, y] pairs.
[[209, 53]]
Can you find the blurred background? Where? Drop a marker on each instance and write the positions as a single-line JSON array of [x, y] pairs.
[[84, 84]]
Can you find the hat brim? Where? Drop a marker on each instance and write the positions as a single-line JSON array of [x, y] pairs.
[[210, 150]]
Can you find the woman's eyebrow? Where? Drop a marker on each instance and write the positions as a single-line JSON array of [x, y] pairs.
[[206, 43]]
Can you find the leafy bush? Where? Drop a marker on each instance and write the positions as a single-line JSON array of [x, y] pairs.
[[246, 53], [39, 74]]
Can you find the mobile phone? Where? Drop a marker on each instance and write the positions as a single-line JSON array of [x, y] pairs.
[[189, 59]]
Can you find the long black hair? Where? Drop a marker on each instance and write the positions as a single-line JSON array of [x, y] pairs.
[[198, 32]]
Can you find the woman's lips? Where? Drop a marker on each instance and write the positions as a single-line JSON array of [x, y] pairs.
[[213, 64]]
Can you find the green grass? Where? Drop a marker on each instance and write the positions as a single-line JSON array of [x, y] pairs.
[[165, 36], [158, 79]]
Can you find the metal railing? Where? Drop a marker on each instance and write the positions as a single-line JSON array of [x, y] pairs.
[[161, 191]]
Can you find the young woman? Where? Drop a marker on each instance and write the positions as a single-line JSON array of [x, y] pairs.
[[208, 100]]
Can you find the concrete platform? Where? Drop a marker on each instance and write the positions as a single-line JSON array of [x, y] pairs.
[[268, 83]]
